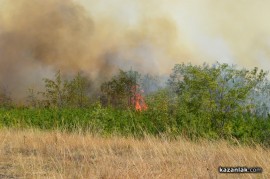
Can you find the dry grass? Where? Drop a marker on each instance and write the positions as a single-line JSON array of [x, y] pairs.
[[36, 154]]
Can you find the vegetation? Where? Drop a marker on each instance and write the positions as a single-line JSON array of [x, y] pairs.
[[118, 92], [5, 98], [54, 154], [213, 102]]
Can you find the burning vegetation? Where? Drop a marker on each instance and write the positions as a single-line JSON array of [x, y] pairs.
[[39, 37], [124, 90], [75, 67], [137, 99], [218, 101]]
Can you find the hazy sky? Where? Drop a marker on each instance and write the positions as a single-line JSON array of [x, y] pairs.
[[224, 30]]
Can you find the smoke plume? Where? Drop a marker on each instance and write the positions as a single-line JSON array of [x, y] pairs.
[[38, 37]]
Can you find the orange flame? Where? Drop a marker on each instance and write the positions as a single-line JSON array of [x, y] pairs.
[[137, 99]]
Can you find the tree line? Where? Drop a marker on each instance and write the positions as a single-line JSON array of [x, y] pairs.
[[219, 89], [211, 101]]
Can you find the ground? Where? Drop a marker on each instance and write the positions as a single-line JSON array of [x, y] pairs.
[[52, 154]]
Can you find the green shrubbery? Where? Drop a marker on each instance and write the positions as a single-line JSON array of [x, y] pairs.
[[212, 102]]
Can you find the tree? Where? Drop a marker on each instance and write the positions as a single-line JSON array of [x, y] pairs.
[[66, 93], [5, 97], [78, 91], [32, 98], [219, 92], [118, 91], [55, 94], [260, 97]]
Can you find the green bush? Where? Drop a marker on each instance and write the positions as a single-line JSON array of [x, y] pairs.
[[214, 102]]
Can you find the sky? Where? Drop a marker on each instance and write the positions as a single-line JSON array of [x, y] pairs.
[[228, 31]]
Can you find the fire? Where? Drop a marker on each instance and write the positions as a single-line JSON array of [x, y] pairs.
[[137, 99]]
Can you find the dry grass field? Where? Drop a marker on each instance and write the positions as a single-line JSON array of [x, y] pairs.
[[37, 154]]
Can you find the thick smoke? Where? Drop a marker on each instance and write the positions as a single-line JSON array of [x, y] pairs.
[[39, 37]]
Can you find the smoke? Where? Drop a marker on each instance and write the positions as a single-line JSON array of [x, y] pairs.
[[234, 32], [39, 37], [237, 30]]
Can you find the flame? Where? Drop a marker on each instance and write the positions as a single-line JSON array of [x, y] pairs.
[[137, 99]]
